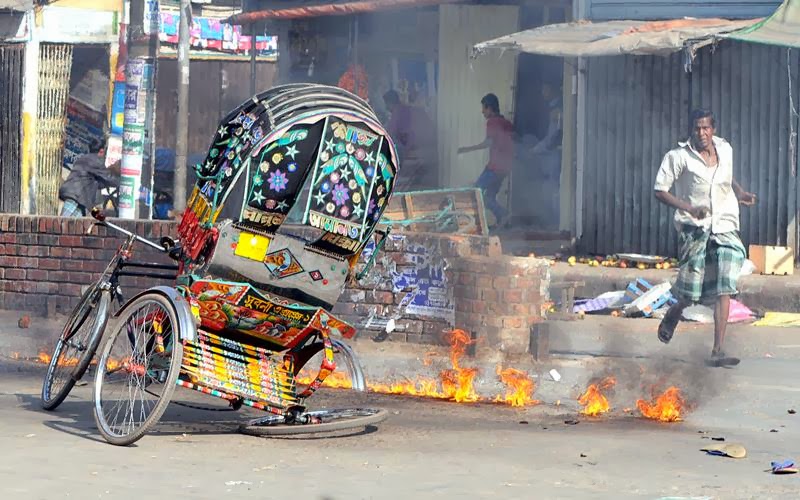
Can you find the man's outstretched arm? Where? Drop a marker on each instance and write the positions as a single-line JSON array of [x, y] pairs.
[[744, 197]]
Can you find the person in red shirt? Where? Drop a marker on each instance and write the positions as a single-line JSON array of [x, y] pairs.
[[500, 141]]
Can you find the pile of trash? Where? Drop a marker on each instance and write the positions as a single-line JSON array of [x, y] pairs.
[[642, 299]]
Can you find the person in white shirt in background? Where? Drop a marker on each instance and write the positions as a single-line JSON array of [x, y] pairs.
[[706, 203]]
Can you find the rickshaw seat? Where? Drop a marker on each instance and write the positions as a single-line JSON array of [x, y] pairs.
[[296, 269]]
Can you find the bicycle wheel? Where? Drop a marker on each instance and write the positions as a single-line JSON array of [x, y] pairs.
[[325, 421], [76, 346], [138, 369]]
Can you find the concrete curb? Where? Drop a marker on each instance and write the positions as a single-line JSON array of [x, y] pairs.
[[766, 293]]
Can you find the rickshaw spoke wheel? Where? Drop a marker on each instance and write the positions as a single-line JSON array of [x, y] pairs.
[[76, 346], [138, 369], [313, 422]]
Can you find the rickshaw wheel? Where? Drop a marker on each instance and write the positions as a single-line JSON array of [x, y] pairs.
[[317, 421], [138, 369], [76, 346]]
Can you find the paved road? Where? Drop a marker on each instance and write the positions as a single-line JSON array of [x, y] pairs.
[[427, 449]]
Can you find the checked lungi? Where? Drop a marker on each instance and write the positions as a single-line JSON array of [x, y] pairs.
[[710, 264]]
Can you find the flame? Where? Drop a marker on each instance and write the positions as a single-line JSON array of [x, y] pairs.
[[455, 383], [15, 355], [593, 401], [44, 358], [666, 408], [519, 387]]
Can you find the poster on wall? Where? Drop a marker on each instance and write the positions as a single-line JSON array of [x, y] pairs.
[[118, 108], [429, 294]]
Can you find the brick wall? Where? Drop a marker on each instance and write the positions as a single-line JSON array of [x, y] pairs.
[[51, 260], [54, 257]]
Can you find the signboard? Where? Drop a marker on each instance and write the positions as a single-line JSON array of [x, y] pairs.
[[67, 24]]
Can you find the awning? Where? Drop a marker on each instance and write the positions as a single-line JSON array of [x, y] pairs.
[[610, 38], [330, 9], [781, 28], [17, 5]]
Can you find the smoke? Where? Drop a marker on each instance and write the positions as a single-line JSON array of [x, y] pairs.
[[653, 367]]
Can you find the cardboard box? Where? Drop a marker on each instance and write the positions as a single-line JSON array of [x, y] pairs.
[[772, 260]]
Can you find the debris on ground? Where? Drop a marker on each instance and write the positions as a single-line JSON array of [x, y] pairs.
[[571, 422], [783, 467], [792, 411], [623, 261], [555, 375], [24, 322], [784, 319], [703, 314], [647, 298], [732, 450]]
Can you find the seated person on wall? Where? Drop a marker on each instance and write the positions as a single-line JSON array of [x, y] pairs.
[[80, 192]]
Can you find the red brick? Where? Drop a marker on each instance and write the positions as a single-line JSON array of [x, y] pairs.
[[27, 239], [81, 278], [501, 282], [49, 240], [38, 251], [513, 296], [513, 322], [14, 274], [90, 242], [466, 279], [47, 287], [83, 253], [20, 286], [375, 297], [8, 261], [70, 290], [483, 281], [29, 262], [72, 265], [490, 295], [94, 266], [58, 276], [51, 264], [8, 238], [36, 274], [60, 252], [70, 241]]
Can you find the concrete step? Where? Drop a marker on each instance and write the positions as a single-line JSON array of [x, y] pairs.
[[760, 293]]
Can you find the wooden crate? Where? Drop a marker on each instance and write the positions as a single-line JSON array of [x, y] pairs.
[[772, 260], [441, 210]]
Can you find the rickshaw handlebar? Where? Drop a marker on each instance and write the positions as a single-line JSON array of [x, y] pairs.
[[100, 217]]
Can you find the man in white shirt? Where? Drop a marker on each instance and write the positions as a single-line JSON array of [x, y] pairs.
[[706, 203]]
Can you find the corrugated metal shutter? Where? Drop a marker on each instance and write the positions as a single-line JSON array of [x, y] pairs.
[[637, 109], [12, 64], [55, 63], [463, 82], [666, 9]]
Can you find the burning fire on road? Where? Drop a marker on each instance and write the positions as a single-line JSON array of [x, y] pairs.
[[519, 388], [455, 384], [594, 401], [667, 407]]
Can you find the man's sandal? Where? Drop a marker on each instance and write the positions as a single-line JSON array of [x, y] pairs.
[[666, 329]]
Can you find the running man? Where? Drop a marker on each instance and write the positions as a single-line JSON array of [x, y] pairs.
[[500, 141], [706, 207]]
